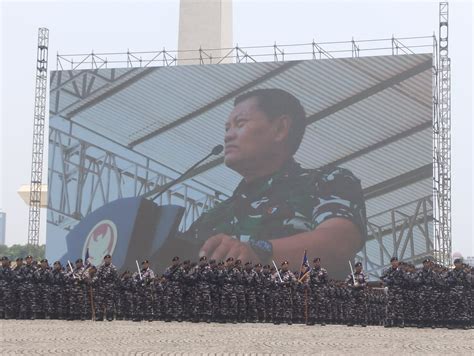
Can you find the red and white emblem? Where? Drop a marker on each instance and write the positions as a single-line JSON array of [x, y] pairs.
[[101, 241]]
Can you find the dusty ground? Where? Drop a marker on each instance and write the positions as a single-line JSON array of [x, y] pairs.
[[159, 338]]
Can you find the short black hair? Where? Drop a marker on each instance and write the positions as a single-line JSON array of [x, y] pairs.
[[278, 102]]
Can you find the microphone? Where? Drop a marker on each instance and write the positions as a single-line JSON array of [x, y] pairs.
[[215, 151]]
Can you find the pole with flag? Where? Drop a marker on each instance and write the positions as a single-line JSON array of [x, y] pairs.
[[302, 276]]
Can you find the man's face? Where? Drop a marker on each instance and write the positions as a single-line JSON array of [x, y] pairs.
[[458, 265], [107, 260], [284, 267], [258, 269], [44, 265], [359, 269], [251, 137], [57, 266], [5, 263], [29, 260], [395, 264], [145, 265], [317, 264], [175, 263], [78, 264]]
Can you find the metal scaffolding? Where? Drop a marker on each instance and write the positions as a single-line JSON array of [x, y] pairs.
[[38, 137], [442, 143], [90, 176], [248, 54]]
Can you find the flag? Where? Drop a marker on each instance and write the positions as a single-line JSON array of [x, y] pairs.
[[86, 258], [305, 265]]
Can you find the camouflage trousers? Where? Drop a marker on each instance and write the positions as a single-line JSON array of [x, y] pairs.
[[318, 304], [410, 308], [395, 312], [6, 300], [107, 299], [173, 300], [125, 304], [143, 302], [426, 302], [57, 301], [43, 299], [284, 304], [203, 303], [459, 306], [76, 301], [27, 300], [251, 303], [228, 302], [358, 307]]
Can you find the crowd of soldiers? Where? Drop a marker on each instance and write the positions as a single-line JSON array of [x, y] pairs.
[[232, 292]]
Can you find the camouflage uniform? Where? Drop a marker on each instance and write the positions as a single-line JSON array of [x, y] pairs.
[[173, 294], [426, 297], [43, 278], [77, 294], [126, 300], [189, 291], [458, 306], [318, 279], [290, 201], [358, 303], [145, 290], [228, 305], [394, 279], [27, 291], [203, 302], [411, 296], [158, 305], [58, 283], [284, 297], [239, 291], [93, 304], [249, 278], [6, 291], [260, 295], [108, 277]]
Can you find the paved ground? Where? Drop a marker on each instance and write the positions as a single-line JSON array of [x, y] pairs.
[[159, 338]]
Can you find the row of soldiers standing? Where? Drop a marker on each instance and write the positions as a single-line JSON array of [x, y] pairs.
[[432, 296], [225, 292]]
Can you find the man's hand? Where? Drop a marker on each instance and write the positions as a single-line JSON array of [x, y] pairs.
[[221, 246]]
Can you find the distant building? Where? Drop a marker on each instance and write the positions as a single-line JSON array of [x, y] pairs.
[[3, 224]]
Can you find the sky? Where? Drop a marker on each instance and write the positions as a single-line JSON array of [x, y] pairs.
[[118, 26]]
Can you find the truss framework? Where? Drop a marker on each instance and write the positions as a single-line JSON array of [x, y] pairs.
[[38, 137], [442, 143]]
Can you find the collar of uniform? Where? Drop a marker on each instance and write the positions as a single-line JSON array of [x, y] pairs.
[[265, 182]]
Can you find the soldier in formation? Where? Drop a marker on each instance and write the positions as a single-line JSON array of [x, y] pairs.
[[431, 296]]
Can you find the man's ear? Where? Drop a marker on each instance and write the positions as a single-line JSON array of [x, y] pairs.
[[281, 126]]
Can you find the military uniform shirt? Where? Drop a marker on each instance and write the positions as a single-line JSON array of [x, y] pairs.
[[290, 201]]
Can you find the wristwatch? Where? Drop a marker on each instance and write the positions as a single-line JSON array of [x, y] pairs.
[[262, 248]]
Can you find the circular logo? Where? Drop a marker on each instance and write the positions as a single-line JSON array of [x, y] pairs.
[[100, 241]]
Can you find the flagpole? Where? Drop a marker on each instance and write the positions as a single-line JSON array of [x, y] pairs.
[[302, 261]]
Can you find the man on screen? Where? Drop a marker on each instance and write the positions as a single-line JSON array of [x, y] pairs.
[[280, 209]]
